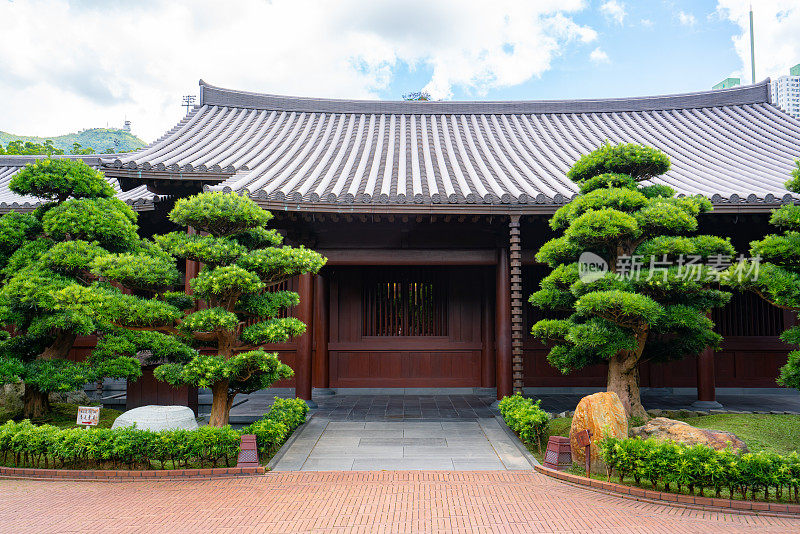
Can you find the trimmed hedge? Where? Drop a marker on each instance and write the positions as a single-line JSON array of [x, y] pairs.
[[277, 425], [699, 467], [526, 418], [27, 445]]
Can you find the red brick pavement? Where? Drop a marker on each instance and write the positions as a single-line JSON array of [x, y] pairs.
[[344, 502]]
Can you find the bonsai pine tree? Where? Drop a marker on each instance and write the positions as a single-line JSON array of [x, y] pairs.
[[645, 301], [239, 310], [44, 252], [777, 280]]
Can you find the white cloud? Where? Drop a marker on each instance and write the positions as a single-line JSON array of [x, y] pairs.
[[614, 10], [599, 56], [776, 34], [686, 19], [70, 65], [647, 23]]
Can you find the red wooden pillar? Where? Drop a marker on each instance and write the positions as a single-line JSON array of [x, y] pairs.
[[488, 373], [302, 371], [192, 267], [706, 386], [321, 331], [503, 324]]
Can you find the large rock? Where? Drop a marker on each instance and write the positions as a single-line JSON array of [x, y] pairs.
[[158, 418], [70, 397], [670, 429], [603, 415], [11, 398]]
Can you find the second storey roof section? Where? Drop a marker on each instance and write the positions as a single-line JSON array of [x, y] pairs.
[[138, 198], [731, 145]]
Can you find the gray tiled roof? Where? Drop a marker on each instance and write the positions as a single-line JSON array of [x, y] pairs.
[[139, 198], [731, 145]]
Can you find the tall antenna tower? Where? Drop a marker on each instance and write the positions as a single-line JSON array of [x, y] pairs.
[[752, 47], [188, 101]]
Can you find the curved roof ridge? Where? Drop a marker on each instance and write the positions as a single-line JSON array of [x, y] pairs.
[[747, 94]]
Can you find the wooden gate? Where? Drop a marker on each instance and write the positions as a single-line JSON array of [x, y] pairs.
[[406, 326]]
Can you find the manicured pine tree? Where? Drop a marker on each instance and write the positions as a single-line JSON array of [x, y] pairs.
[[44, 252], [777, 279], [637, 310], [242, 263]]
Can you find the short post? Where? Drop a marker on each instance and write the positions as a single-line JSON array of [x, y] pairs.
[[584, 439], [248, 451]]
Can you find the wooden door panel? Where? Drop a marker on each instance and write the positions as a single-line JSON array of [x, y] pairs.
[[405, 369]]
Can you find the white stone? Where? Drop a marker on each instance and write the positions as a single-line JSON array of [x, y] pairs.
[[158, 418]]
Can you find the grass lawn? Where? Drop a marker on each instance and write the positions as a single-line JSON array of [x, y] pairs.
[[64, 416], [761, 432]]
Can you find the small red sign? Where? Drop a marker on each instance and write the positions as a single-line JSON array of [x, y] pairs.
[[88, 415]]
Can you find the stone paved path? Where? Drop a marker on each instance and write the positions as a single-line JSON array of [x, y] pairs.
[[355, 502], [323, 445]]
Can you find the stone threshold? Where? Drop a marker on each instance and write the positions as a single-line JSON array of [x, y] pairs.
[[111, 475], [694, 502]]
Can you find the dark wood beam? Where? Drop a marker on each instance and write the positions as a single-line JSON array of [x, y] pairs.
[[409, 256]]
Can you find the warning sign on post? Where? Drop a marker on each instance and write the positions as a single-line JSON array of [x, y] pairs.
[[88, 415]]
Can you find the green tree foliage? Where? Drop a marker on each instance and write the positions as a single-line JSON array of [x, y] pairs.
[[106, 140], [777, 280], [30, 148], [44, 253], [238, 311], [637, 309]]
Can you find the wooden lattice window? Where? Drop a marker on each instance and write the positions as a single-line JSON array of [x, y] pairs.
[[410, 303], [747, 314]]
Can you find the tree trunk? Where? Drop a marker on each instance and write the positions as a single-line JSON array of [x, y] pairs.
[[37, 404], [220, 404], [60, 347], [623, 379]]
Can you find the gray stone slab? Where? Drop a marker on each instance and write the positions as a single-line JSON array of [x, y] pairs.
[[446, 452], [346, 425], [403, 464], [421, 442], [328, 464], [363, 452], [478, 464], [507, 450], [396, 433]]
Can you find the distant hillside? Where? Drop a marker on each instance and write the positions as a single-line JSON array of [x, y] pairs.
[[100, 139]]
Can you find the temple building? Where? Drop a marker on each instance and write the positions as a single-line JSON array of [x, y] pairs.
[[430, 214]]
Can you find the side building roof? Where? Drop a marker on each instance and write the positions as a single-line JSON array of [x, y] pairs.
[[139, 198], [293, 153]]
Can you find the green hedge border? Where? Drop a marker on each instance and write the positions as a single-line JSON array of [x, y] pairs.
[[28, 446], [676, 499]]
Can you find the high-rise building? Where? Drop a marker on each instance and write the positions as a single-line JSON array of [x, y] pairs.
[[727, 83], [786, 92], [127, 126]]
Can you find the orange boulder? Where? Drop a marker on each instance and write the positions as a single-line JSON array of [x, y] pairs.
[[603, 415]]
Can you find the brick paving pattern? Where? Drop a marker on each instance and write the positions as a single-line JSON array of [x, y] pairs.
[[353, 502]]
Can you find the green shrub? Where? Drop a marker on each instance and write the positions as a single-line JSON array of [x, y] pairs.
[[699, 467], [526, 418], [24, 444], [278, 424]]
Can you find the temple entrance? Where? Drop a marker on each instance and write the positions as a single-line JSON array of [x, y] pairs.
[[406, 326]]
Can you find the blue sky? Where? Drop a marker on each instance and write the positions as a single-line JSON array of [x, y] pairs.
[[661, 55], [77, 64]]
